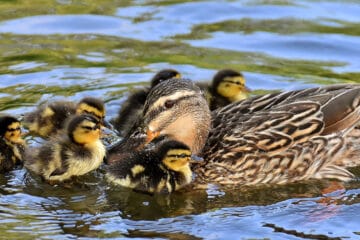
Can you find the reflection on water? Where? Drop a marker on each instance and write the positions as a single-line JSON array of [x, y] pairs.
[[66, 49]]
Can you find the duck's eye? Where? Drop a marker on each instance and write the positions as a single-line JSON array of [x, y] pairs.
[[169, 103]]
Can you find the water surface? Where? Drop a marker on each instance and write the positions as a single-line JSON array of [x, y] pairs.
[[70, 49]]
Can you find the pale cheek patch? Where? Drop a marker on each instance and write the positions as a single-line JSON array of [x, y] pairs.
[[137, 169], [48, 112], [157, 124]]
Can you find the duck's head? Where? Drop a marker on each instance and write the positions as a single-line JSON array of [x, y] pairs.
[[84, 129], [95, 107], [230, 84], [163, 75], [177, 109], [10, 129]]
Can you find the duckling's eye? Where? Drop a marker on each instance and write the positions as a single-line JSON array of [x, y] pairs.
[[13, 129], [169, 103], [91, 128]]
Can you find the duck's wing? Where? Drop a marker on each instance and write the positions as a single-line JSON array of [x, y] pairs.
[[338, 104], [283, 137], [266, 131]]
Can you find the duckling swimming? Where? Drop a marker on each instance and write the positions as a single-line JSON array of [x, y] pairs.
[[50, 118], [162, 168], [275, 138], [227, 86], [74, 153], [12, 146], [131, 109]]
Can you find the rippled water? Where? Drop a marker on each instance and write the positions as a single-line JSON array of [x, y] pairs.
[[71, 49]]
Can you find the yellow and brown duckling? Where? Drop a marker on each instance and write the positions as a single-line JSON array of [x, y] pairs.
[[131, 109], [276, 138], [227, 86], [50, 118], [12, 146], [162, 168], [74, 153]]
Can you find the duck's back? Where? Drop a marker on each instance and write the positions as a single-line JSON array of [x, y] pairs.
[[284, 137]]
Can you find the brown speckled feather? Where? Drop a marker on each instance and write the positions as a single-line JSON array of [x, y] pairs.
[[284, 137]]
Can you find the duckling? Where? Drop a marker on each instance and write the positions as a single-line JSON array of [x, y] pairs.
[[227, 86], [49, 118], [12, 146], [132, 107], [162, 168], [275, 138], [74, 153]]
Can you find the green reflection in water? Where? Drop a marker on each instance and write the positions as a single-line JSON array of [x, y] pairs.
[[58, 50], [282, 26]]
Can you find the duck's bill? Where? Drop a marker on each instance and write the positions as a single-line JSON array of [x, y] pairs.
[[150, 135]]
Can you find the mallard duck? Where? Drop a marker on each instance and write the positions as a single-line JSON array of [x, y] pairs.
[[226, 87], [275, 138], [12, 146], [132, 107], [49, 118], [163, 167], [175, 99], [74, 153]]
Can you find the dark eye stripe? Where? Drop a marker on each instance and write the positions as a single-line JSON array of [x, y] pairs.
[[92, 113], [13, 129], [160, 109], [91, 128], [179, 155], [237, 83]]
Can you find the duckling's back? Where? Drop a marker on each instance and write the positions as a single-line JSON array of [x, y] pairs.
[[49, 118], [10, 155]]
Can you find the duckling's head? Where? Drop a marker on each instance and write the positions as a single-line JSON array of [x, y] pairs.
[[93, 106], [175, 155], [84, 129], [10, 129], [177, 109], [163, 75], [230, 84]]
